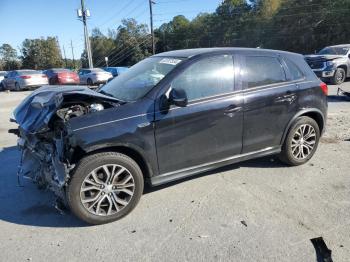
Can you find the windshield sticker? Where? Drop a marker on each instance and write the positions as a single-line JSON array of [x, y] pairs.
[[170, 61]]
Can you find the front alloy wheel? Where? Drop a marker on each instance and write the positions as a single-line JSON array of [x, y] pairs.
[[107, 190], [105, 187]]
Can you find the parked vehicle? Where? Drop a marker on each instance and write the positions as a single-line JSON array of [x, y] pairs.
[[24, 79], [62, 76], [170, 116], [94, 76], [331, 64], [2, 76], [116, 71]]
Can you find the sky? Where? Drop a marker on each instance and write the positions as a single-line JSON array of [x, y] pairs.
[[21, 19]]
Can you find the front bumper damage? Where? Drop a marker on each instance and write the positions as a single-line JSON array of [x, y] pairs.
[[46, 142], [44, 162]]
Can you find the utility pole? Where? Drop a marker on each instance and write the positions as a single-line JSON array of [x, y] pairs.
[[151, 3], [71, 45], [83, 14], [65, 58]]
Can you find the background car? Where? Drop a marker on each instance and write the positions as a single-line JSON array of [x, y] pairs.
[[24, 79], [116, 71], [2, 76], [62, 76], [94, 76], [331, 64]]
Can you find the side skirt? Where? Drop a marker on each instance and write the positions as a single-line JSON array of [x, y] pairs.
[[186, 172]]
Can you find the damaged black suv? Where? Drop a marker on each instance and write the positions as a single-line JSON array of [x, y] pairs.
[[170, 116]]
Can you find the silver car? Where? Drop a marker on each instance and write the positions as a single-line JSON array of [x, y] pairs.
[[94, 76], [24, 79]]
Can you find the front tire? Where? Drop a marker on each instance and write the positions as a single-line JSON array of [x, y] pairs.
[[339, 76], [105, 187], [301, 142]]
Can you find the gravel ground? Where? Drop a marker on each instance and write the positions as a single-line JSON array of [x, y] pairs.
[[257, 210]]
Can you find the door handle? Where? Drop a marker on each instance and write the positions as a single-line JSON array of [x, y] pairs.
[[230, 110]]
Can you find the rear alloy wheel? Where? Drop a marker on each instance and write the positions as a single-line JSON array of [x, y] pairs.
[[301, 142], [339, 76], [89, 82], [105, 187]]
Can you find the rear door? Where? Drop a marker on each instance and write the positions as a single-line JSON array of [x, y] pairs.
[[209, 128], [270, 101]]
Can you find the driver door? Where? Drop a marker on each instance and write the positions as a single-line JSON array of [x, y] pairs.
[[210, 127]]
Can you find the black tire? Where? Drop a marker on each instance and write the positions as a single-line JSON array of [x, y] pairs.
[[286, 154], [339, 76], [52, 81], [82, 171], [17, 87], [89, 82]]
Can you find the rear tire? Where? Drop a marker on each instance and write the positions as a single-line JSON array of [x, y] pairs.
[[109, 198], [17, 87], [339, 76], [89, 82], [301, 142]]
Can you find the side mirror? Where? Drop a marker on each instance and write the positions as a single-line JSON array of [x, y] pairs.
[[178, 97], [5, 76], [349, 55]]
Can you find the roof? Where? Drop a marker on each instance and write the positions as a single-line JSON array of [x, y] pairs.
[[187, 53], [342, 45]]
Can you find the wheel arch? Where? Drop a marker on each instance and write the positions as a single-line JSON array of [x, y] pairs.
[[127, 150], [345, 67], [313, 113]]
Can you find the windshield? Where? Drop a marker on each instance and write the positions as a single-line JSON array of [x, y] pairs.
[[61, 70], [137, 81], [334, 51], [3, 73]]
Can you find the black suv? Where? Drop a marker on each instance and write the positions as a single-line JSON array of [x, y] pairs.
[[170, 116]]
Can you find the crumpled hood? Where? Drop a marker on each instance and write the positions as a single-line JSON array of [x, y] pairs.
[[36, 110], [322, 57]]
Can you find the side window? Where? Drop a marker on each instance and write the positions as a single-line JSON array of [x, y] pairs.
[[207, 77], [295, 72], [263, 70]]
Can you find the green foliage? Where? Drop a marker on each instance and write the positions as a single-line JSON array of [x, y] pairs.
[[293, 25], [8, 58], [129, 44], [41, 53]]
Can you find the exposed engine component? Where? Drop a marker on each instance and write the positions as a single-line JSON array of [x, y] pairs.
[[96, 107], [72, 111]]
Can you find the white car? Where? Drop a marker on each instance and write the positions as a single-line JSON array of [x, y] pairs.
[[94, 76], [2, 76], [24, 79]]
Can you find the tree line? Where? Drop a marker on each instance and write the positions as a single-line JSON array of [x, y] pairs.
[[293, 25]]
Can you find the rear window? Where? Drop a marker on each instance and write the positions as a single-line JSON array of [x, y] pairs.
[[61, 70], [97, 70], [294, 70], [28, 72], [263, 70]]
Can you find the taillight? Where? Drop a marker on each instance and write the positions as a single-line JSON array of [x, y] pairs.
[[25, 77], [324, 88]]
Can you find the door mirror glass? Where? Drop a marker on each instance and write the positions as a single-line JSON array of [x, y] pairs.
[[178, 97]]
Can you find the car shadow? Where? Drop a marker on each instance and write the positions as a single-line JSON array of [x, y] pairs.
[[338, 98], [264, 162], [23, 203]]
